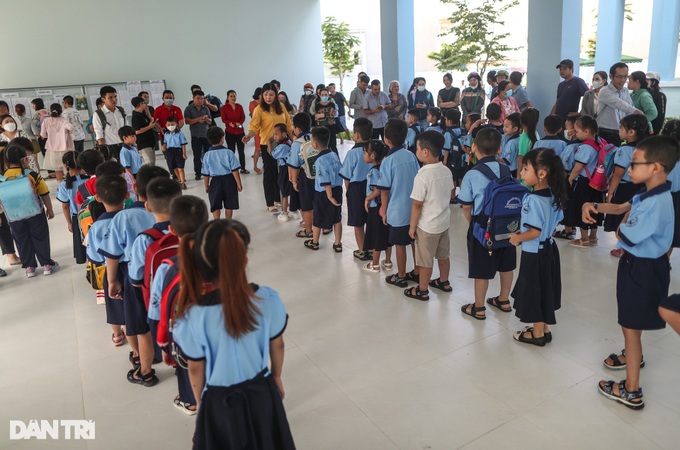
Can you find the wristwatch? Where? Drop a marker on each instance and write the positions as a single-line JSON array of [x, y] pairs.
[[595, 206]]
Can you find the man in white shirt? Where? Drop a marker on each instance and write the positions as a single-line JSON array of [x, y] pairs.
[[76, 120], [106, 127], [613, 104]]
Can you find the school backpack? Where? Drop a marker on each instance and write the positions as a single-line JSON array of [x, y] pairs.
[[215, 101], [18, 197], [502, 208], [455, 160], [599, 179], [94, 274], [162, 247], [308, 154], [102, 116], [417, 130], [168, 312]]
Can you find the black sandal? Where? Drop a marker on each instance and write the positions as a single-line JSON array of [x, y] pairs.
[[304, 234], [134, 360], [497, 303], [417, 294], [310, 244], [148, 380], [337, 248], [441, 285], [618, 365], [473, 311], [412, 276], [519, 337], [396, 280]]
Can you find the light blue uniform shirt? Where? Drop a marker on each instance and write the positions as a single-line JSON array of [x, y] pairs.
[[552, 142], [674, 178], [539, 213], [622, 159], [411, 135], [372, 180], [567, 156], [138, 253], [66, 195], [648, 232], [228, 361], [587, 155], [174, 140], [327, 167], [511, 151], [218, 161], [95, 235], [156, 292], [355, 169], [449, 136], [294, 159], [282, 152], [436, 127], [117, 241], [397, 172], [474, 183], [129, 158]]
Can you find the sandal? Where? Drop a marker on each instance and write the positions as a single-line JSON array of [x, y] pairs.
[[148, 380], [593, 242], [474, 311], [326, 232], [386, 265], [337, 248], [520, 337], [369, 267], [304, 234], [441, 285], [617, 363], [633, 400], [412, 276], [358, 254], [272, 209], [417, 294], [579, 243], [548, 335], [560, 234], [134, 360], [396, 280], [184, 407], [118, 340], [310, 244], [496, 302]]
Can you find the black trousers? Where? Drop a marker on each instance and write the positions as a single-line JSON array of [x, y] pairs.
[[233, 142], [270, 177], [611, 136], [378, 133], [199, 145], [32, 236], [79, 146], [6, 241]]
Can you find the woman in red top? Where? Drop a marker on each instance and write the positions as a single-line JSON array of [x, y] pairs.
[[233, 118], [254, 103]]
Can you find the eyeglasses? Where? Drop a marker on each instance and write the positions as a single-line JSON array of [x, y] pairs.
[[633, 163], [620, 77]]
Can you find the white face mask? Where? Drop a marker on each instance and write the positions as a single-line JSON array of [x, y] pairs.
[[168, 101], [421, 88], [566, 135], [597, 84], [10, 126], [172, 127]]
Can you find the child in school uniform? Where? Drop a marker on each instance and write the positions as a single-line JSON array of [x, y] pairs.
[[377, 232], [66, 194], [129, 156], [221, 177], [528, 118], [112, 192], [328, 191], [510, 152], [31, 235], [632, 129], [175, 149], [187, 214], [245, 322], [453, 151], [430, 217], [116, 246], [643, 276], [281, 144], [397, 172], [354, 171], [672, 129], [434, 116], [412, 120], [302, 184], [482, 265], [466, 141], [538, 290], [88, 161], [567, 157], [552, 127], [585, 161]]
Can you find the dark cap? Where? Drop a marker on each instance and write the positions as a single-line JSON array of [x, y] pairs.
[[502, 73], [568, 63]]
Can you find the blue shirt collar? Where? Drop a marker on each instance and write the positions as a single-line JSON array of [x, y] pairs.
[[138, 204], [162, 226], [359, 145], [543, 192], [551, 138], [394, 150], [487, 159], [325, 152], [127, 146], [660, 189], [514, 136], [108, 215], [216, 147]]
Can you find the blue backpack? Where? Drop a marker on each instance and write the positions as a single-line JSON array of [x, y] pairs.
[[455, 160], [502, 208], [18, 197]]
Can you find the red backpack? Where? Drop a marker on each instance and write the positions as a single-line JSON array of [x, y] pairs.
[[168, 309], [599, 179], [164, 246]]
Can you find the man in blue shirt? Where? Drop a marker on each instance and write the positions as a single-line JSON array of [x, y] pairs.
[[375, 103], [569, 91], [518, 92], [197, 116]]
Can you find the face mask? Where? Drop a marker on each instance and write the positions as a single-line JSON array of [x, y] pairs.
[[168, 101], [597, 84], [308, 92], [172, 127], [566, 135], [324, 98], [421, 88], [508, 93], [11, 126]]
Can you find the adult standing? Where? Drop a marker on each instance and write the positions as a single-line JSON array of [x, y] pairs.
[[356, 98], [472, 98], [197, 116], [75, 119], [324, 111], [233, 117], [266, 115], [613, 104], [57, 131], [9, 128], [39, 114], [306, 98], [144, 127], [375, 105], [505, 101], [653, 79], [213, 103], [254, 103], [145, 96], [398, 101], [519, 93], [590, 98], [283, 98], [421, 99], [108, 120], [569, 91], [501, 75], [166, 110], [340, 102], [641, 96], [491, 82], [449, 96]]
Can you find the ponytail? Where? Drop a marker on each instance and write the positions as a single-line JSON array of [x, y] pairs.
[[547, 159], [69, 160], [529, 118], [190, 287], [637, 123]]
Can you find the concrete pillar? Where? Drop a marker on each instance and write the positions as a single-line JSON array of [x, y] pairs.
[[572, 11], [663, 46], [397, 42], [610, 33]]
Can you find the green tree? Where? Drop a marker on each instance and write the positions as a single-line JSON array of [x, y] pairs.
[[475, 40], [338, 47]]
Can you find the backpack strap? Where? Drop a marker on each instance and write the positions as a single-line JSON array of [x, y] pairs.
[[102, 118], [490, 174], [84, 192], [154, 233]]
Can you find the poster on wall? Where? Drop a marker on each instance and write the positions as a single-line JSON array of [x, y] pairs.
[[82, 107], [134, 88]]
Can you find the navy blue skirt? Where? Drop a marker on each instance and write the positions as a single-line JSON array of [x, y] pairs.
[[356, 196], [641, 285], [538, 290], [376, 231]]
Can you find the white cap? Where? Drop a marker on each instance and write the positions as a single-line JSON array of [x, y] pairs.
[[653, 76]]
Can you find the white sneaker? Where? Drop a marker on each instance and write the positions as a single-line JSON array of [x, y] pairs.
[[282, 217], [50, 268], [294, 215]]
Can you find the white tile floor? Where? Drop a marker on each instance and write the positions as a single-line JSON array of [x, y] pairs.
[[365, 367]]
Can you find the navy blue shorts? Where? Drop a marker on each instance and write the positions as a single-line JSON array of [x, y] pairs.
[[672, 303], [398, 235], [307, 192], [641, 285], [285, 186], [294, 202], [356, 196], [115, 310], [133, 301], [482, 266], [223, 193], [676, 205], [173, 156], [326, 214]]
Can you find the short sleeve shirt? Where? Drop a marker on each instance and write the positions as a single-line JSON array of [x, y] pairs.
[[586, 155], [552, 142], [175, 140], [156, 291], [294, 159], [340, 103], [354, 168], [569, 95], [397, 172], [622, 159], [130, 159], [327, 167], [568, 154], [432, 186], [474, 183], [138, 253], [38, 183], [96, 234], [66, 195], [197, 129], [139, 121], [219, 161], [510, 151], [117, 241], [162, 113], [282, 152], [372, 180], [378, 119], [539, 213]]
